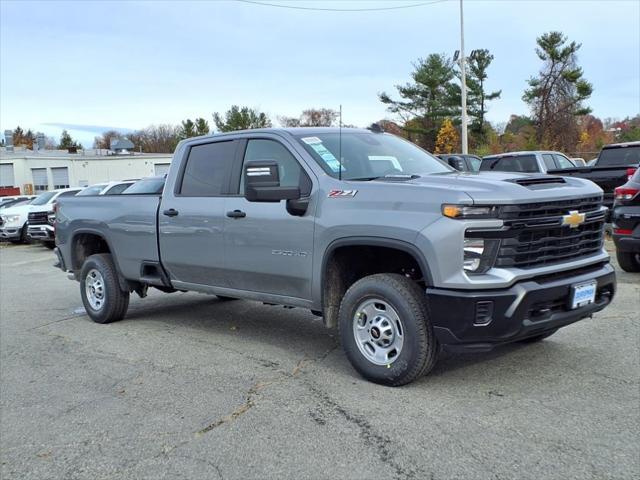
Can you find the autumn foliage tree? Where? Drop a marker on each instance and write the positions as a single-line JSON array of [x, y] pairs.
[[448, 140]]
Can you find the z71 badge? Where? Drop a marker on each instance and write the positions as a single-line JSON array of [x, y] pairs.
[[342, 193]]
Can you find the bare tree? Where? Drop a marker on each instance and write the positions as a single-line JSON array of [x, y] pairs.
[[311, 117]]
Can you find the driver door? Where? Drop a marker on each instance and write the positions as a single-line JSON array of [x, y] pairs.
[[268, 249]]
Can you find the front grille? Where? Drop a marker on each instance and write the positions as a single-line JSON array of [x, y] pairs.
[[547, 209], [38, 218], [535, 235]]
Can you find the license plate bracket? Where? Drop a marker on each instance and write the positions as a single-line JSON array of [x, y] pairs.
[[583, 294]]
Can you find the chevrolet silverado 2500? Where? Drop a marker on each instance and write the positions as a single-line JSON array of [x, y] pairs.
[[401, 252]]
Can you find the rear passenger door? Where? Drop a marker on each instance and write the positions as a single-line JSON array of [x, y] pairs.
[[268, 249], [192, 215]]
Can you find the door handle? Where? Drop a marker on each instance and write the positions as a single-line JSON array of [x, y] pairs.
[[172, 212], [236, 214]]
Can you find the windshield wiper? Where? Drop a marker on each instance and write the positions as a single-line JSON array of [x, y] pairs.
[[395, 176]]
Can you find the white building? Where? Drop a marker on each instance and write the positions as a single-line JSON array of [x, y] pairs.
[[42, 170]]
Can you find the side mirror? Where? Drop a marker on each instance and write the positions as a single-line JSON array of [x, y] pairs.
[[262, 183]]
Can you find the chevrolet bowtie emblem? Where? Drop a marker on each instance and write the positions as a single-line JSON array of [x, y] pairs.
[[574, 219]]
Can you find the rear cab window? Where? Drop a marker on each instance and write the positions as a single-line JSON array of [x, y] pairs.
[[619, 156], [207, 169], [516, 163]]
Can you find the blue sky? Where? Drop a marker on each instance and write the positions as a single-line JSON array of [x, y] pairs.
[[96, 64]]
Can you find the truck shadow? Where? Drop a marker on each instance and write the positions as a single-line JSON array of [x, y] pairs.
[[296, 332]]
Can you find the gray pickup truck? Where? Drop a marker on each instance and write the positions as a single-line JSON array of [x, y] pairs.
[[402, 253]]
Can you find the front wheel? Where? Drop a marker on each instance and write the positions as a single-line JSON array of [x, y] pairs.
[[102, 297], [49, 244], [385, 329]]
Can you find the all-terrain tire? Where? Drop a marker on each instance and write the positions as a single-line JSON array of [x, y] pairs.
[[628, 261], [419, 348], [114, 302]]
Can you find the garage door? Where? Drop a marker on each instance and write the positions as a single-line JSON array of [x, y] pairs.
[[60, 177], [40, 182], [161, 168], [6, 175]]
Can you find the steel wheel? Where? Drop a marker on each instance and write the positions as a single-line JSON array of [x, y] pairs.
[[378, 331], [95, 289]]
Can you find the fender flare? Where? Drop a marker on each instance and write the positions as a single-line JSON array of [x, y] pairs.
[[377, 242], [124, 283]]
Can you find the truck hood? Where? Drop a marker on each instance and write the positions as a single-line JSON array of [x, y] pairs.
[[509, 187], [19, 210]]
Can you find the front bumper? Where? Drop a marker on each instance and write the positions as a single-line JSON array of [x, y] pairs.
[[483, 319], [10, 233], [41, 232]]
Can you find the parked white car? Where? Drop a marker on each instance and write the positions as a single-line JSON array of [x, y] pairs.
[[41, 215], [13, 222], [107, 188]]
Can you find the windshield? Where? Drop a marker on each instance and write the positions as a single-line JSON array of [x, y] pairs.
[[92, 190], [146, 186], [369, 155], [15, 203], [619, 156], [43, 198]]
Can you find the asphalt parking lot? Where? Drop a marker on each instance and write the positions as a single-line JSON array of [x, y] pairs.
[[191, 387]]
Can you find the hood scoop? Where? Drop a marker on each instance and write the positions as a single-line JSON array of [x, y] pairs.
[[539, 181]]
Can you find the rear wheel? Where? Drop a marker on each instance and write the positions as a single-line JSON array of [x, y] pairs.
[[102, 297], [628, 261], [385, 329]]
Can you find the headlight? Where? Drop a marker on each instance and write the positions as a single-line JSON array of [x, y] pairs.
[[468, 211], [11, 218], [479, 254], [51, 217]]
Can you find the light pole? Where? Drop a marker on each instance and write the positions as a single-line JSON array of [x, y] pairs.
[[463, 90]]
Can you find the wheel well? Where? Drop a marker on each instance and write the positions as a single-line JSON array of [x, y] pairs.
[[84, 245], [348, 264]]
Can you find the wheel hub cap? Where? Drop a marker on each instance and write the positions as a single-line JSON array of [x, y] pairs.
[[378, 331], [94, 289]]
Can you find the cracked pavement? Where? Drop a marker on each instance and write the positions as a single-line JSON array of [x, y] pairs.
[[191, 387]]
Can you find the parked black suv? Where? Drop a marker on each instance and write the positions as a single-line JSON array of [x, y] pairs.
[[626, 224]]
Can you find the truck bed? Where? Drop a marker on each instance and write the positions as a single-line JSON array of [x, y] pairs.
[[607, 178], [129, 222]]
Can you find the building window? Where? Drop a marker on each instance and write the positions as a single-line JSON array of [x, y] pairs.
[[60, 177], [40, 181]]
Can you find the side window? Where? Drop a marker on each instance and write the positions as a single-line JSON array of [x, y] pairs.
[[474, 163], [207, 169], [548, 161], [289, 168], [563, 162]]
